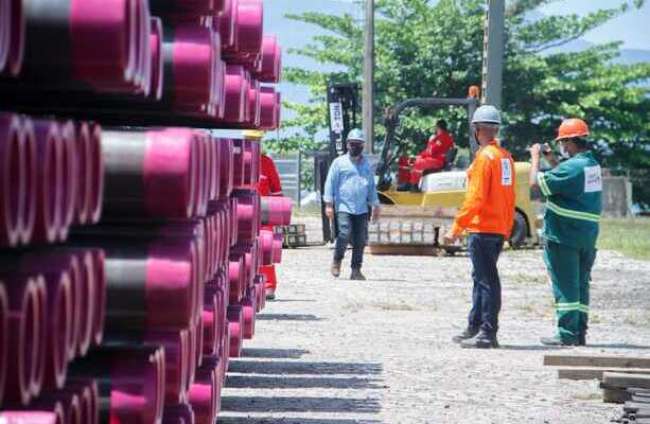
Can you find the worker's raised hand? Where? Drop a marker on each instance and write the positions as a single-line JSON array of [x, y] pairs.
[[535, 150], [329, 212]]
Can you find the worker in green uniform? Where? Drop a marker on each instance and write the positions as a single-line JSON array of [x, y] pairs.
[[573, 190]]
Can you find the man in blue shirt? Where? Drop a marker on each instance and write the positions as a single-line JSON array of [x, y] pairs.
[[350, 192]]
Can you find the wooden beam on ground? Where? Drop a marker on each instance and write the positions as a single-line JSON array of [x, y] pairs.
[[596, 361], [624, 381], [585, 373]]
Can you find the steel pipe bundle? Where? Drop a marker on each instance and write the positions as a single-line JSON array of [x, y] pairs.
[[43, 182], [153, 173], [177, 361], [157, 59], [182, 8], [62, 46], [249, 310], [269, 68], [237, 81], [4, 338], [236, 277], [248, 215], [33, 417], [276, 210], [87, 393], [151, 285], [205, 393], [90, 173], [181, 413], [131, 382], [270, 105], [236, 327], [25, 322], [12, 37], [13, 179], [192, 56]]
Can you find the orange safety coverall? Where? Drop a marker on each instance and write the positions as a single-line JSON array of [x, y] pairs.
[[489, 205], [433, 157], [269, 185]]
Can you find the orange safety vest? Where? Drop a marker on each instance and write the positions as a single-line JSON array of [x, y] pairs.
[[489, 205]]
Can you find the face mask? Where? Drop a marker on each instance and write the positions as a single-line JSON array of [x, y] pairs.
[[355, 150], [563, 152]]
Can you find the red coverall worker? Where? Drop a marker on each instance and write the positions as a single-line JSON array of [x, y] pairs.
[[433, 157], [269, 185]]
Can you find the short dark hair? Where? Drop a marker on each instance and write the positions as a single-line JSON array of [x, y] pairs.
[[442, 124]]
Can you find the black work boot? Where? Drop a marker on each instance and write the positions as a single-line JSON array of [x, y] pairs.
[[557, 341], [356, 275], [336, 268], [483, 340], [468, 333]]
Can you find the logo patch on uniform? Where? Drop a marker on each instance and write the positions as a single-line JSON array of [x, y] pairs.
[[593, 179], [506, 172]]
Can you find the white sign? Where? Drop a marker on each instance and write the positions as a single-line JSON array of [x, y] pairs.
[[506, 172], [593, 179], [336, 117]]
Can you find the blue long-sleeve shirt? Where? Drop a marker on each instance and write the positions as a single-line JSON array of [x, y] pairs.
[[351, 186]]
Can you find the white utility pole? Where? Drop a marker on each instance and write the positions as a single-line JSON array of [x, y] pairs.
[[369, 76]]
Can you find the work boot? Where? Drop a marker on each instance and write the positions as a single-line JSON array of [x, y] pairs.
[[270, 294], [557, 341], [336, 268], [468, 333], [356, 275], [482, 341]]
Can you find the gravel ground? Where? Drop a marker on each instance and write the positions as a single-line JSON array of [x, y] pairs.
[[343, 352]]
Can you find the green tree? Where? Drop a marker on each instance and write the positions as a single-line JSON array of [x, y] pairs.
[[427, 48]]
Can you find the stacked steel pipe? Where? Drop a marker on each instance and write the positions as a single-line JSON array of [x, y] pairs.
[[199, 63], [132, 319]]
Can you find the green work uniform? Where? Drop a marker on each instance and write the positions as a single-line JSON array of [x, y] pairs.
[[574, 203]]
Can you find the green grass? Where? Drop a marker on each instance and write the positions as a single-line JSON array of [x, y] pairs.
[[630, 237]]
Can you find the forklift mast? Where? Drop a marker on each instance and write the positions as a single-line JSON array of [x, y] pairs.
[[343, 106]]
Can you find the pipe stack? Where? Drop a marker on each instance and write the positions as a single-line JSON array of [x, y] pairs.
[[133, 318], [164, 62]]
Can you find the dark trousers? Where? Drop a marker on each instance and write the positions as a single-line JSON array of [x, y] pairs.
[[484, 250], [352, 229]]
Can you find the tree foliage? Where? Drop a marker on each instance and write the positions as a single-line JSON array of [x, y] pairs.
[[426, 48]]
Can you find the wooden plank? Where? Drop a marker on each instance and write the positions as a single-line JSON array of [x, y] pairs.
[[631, 406], [402, 250], [615, 396], [583, 373], [596, 361], [403, 211], [626, 380]]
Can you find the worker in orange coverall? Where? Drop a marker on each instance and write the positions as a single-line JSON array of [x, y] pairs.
[[269, 185], [433, 158]]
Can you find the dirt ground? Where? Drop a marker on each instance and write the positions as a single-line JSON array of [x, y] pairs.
[[341, 352]]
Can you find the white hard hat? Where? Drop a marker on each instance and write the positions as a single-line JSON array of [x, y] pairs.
[[487, 114], [356, 134]]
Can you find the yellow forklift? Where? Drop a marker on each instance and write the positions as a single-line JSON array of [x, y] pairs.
[[413, 222]]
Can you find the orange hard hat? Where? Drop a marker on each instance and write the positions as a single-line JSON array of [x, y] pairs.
[[572, 128]]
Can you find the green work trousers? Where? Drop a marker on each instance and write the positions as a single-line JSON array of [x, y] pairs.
[[570, 271]]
